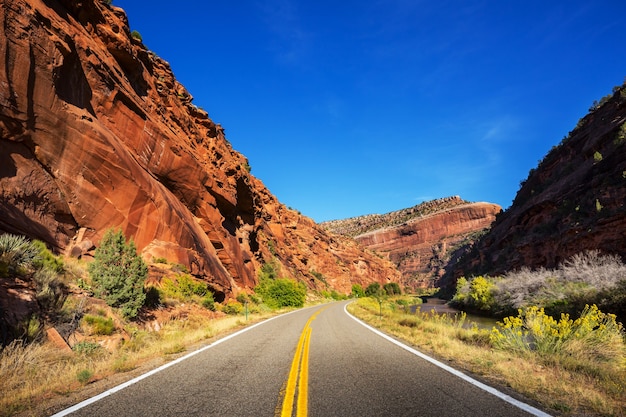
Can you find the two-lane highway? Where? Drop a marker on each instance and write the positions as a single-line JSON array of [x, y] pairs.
[[318, 361]]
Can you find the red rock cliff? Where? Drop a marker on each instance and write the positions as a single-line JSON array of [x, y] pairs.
[[419, 240], [575, 200], [95, 132]]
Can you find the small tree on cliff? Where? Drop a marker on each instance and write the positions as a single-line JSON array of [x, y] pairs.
[[118, 273]]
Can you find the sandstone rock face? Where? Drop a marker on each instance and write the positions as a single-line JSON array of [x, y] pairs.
[[95, 132], [575, 200], [419, 240]]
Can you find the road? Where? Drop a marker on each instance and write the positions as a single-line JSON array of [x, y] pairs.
[[318, 361]]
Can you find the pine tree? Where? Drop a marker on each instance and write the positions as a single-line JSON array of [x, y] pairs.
[[118, 273]]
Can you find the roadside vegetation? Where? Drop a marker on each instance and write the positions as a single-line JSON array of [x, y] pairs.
[[571, 366], [585, 279], [115, 322]]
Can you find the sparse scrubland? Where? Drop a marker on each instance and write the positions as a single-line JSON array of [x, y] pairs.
[[586, 278], [571, 366], [572, 363], [115, 322]]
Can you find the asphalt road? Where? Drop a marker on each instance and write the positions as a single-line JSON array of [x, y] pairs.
[[313, 362]]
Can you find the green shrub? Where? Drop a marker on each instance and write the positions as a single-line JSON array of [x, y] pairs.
[[392, 288], [118, 273], [233, 307], [372, 289], [281, 292], [159, 260], [136, 35], [16, 252], [46, 259], [475, 294], [357, 291], [84, 376], [595, 335], [208, 301], [100, 325], [87, 348]]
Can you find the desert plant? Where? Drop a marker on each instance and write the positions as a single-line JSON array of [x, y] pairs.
[[594, 335], [83, 376], [136, 35], [15, 252], [357, 291], [86, 348], [392, 288], [118, 273], [475, 294], [100, 325], [372, 289], [281, 292]]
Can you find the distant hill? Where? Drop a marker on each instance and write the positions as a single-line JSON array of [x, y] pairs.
[[419, 239], [574, 200]]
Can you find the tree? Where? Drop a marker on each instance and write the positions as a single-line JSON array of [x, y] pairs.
[[357, 291], [118, 273], [372, 289], [392, 288]]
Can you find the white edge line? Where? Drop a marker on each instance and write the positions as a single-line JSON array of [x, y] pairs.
[[519, 404], [127, 384]]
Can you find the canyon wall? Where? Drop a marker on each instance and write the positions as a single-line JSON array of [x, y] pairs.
[[97, 133], [573, 201], [420, 239]]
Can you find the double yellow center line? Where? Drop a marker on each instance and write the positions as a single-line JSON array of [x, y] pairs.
[[299, 374]]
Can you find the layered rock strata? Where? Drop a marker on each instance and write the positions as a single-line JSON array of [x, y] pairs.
[[97, 133]]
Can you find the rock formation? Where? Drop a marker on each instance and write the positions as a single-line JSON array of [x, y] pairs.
[[575, 200], [418, 240], [96, 133]]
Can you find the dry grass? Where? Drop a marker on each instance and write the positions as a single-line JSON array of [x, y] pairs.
[[33, 374], [562, 390]]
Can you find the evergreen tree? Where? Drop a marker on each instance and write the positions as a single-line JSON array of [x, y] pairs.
[[118, 273]]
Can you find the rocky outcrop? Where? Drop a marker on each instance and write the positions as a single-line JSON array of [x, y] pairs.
[[419, 240], [573, 201], [95, 132]]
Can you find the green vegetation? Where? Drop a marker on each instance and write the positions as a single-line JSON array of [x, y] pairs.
[[357, 291], [100, 325], [597, 157], [118, 273], [372, 289], [279, 292], [595, 337], [586, 278], [136, 35], [571, 366]]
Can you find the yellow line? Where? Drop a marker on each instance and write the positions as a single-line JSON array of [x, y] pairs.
[[291, 381], [303, 383], [300, 364]]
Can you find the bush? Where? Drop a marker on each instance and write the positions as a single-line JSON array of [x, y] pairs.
[[475, 294], [281, 292], [16, 252], [392, 288], [118, 273], [136, 35], [594, 335], [45, 259], [373, 289], [232, 307], [100, 325], [357, 291], [87, 348]]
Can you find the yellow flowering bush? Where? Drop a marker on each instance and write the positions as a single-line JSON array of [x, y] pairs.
[[595, 334]]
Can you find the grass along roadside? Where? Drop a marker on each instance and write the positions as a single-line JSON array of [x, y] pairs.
[[570, 389], [38, 379]]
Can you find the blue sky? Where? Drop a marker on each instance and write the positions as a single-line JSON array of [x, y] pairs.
[[346, 108]]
